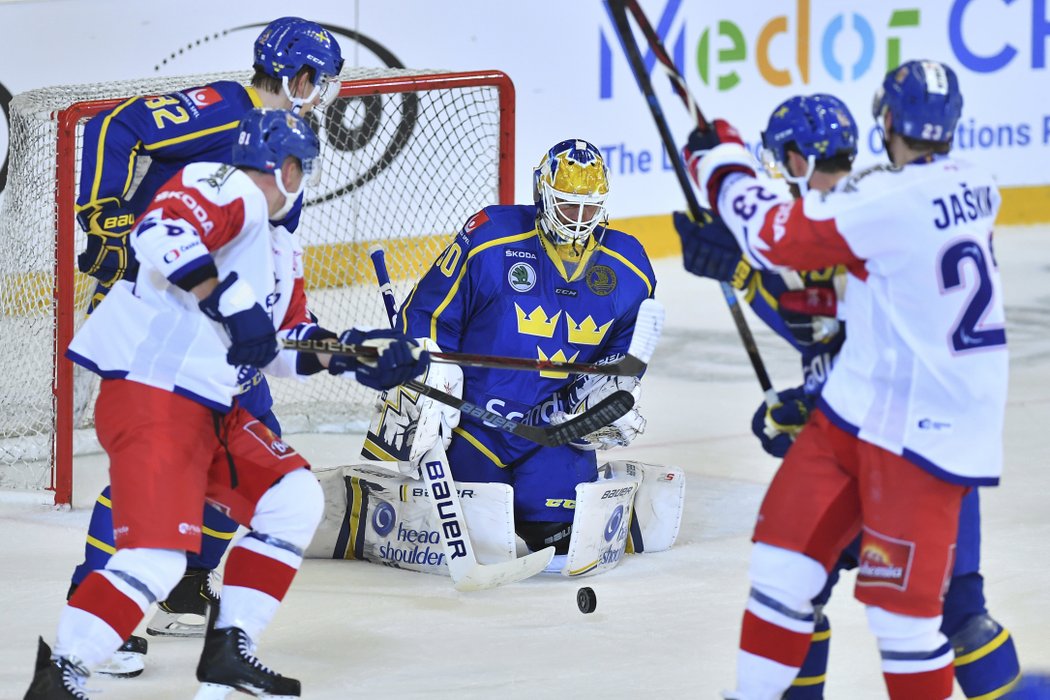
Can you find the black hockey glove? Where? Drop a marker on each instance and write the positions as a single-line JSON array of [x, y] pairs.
[[108, 256]]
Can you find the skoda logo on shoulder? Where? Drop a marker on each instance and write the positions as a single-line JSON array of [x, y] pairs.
[[521, 276], [383, 519]]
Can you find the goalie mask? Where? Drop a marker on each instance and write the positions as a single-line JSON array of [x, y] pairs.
[[570, 186], [268, 137]]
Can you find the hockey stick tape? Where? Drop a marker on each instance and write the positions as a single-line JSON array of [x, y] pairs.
[[647, 329]]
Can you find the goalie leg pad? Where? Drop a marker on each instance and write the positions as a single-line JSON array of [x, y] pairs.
[[601, 526], [658, 503], [376, 516]]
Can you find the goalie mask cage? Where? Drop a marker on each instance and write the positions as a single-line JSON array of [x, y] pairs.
[[407, 157]]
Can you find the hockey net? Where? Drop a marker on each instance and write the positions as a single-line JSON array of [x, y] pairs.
[[408, 156]]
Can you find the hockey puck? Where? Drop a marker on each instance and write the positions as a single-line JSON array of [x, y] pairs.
[[586, 600]]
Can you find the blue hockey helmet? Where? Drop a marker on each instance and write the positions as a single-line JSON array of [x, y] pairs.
[[818, 126], [570, 186], [267, 137], [924, 100], [287, 44]]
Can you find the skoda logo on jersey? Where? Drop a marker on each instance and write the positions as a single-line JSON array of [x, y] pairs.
[[613, 526], [521, 276], [601, 280], [383, 519]]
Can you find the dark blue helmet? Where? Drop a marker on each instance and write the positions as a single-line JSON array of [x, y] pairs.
[[924, 99], [289, 43], [818, 126], [266, 137]]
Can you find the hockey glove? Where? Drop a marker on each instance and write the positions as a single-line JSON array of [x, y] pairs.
[[778, 426], [399, 360], [253, 340], [701, 141], [108, 257], [587, 391], [709, 249]]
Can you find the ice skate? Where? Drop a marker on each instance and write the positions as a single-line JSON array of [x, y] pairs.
[[58, 679], [228, 664], [128, 661], [184, 612]]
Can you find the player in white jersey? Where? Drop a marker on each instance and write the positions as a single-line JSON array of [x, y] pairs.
[[912, 413], [216, 288]]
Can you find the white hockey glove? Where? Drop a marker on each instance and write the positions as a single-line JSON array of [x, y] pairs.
[[407, 423], [588, 391]]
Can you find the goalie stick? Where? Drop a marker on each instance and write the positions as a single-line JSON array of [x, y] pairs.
[[467, 573], [618, 11]]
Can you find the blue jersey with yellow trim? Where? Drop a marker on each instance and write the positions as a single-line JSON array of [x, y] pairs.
[[194, 125], [501, 288]]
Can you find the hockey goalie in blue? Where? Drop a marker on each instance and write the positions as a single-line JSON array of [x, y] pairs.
[[550, 281]]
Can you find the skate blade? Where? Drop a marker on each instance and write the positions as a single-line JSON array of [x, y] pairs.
[[165, 624], [123, 664], [214, 691]]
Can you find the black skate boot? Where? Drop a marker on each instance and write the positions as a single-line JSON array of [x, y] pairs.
[[58, 679], [184, 612], [228, 663]]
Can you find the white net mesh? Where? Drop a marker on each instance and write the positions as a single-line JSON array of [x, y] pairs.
[[403, 168]]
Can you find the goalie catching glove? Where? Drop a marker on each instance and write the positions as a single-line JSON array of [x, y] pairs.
[[584, 393]]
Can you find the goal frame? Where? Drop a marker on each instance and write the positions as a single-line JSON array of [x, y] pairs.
[[65, 198]]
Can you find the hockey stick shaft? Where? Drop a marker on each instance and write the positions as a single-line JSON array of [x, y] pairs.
[[629, 366], [618, 10]]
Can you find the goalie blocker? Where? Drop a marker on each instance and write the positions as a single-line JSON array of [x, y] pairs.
[[373, 514]]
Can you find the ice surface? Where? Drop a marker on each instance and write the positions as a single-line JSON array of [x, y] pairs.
[[666, 624]]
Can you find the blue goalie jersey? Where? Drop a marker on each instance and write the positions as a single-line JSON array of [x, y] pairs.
[[501, 288]]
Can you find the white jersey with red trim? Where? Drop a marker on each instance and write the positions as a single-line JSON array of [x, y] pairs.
[[923, 371], [152, 331]]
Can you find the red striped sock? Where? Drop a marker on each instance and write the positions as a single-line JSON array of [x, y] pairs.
[[253, 570], [773, 642], [99, 597]]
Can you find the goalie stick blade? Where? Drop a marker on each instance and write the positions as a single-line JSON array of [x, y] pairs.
[[482, 576]]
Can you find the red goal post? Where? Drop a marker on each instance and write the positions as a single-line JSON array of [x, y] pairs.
[[407, 157]]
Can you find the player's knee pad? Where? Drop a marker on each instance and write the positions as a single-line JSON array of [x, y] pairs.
[[540, 535], [908, 644], [152, 573], [789, 578], [985, 658], [291, 509]]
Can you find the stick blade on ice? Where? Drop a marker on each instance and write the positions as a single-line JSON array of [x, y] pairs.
[[483, 576]]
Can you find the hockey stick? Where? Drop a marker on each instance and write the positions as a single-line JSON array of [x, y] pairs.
[[467, 573], [618, 11], [643, 342]]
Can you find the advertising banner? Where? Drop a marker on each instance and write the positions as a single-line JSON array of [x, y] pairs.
[[572, 77]]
